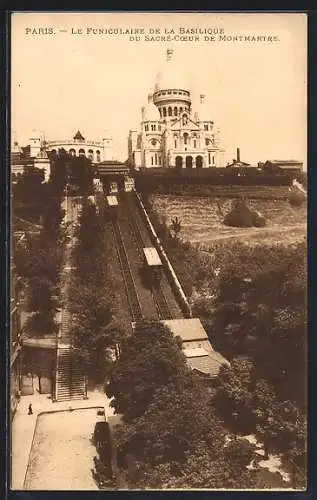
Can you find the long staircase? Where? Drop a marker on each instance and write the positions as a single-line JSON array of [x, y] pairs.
[[70, 382]]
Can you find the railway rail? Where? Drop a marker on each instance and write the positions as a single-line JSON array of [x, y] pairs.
[[132, 295], [157, 293]]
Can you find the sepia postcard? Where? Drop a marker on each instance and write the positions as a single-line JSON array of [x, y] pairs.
[[158, 176]]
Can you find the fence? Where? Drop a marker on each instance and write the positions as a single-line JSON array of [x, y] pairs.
[[176, 286]]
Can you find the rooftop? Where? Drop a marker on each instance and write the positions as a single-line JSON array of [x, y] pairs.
[[78, 136], [112, 201], [187, 329], [108, 167], [209, 364], [152, 257], [195, 352]]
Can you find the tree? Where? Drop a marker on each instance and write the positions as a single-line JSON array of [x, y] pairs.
[[204, 469], [176, 226], [265, 412], [95, 330], [177, 417], [296, 198], [234, 397], [40, 324], [40, 295], [268, 322], [149, 359], [179, 442], [240, 215], [80, 173], [39, 259], [253, 407]]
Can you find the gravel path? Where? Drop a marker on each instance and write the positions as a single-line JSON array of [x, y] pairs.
[[62, 456]]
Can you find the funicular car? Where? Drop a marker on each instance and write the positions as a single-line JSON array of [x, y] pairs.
[[113, 188], [152, 266], [128, 184], [111, 207]]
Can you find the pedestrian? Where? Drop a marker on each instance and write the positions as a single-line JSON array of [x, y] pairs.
[[30, 409]]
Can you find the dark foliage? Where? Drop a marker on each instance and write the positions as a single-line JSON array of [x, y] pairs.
[[150, 358]]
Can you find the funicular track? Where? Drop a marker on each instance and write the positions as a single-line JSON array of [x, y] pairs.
[[131, 291], [157, 293]]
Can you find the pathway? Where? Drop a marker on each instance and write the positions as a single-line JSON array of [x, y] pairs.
[[23, 427], [70, 380]]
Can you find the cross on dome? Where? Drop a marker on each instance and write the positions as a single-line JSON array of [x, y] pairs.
[[169, 54]]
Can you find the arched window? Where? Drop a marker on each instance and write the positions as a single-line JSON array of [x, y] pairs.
[[159, 160], [189, 162], [206, 126], [185, 138], [178, 162], [195, 143], [160, 112], [175, 111], [175, 143], [199, 161], [170, 111], [213, 160], [81, 152], [209, 158], [98, 155], [181, 109], [164, 111], [72, 152], [91, 154], [151, 160], [146, 127], [207, 141], [155, 159]]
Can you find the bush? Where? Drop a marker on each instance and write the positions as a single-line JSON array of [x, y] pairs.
[[296, 198], [240, 216], [258, 219], [41, 323]]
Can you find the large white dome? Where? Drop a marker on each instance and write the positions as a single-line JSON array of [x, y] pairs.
[[171, 77]]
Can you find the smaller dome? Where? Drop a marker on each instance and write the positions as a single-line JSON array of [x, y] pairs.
[[151, 113], [203, 111], [16, 148], [78, 136], [42, 154]]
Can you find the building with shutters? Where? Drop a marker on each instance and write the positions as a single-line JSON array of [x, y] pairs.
[[171, 134]]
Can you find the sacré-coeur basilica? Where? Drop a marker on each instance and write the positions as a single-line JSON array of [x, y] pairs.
[[170, 134]]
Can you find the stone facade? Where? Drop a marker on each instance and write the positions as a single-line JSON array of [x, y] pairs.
[[171, 135]]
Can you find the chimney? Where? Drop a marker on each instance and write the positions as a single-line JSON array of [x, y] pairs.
[[238, 154]]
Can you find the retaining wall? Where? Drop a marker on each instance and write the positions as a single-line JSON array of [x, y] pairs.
[[171, 275]]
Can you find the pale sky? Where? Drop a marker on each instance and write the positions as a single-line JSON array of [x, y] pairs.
[[256, 91]]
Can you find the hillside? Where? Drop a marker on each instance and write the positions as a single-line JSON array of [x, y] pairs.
[[202, 222]]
